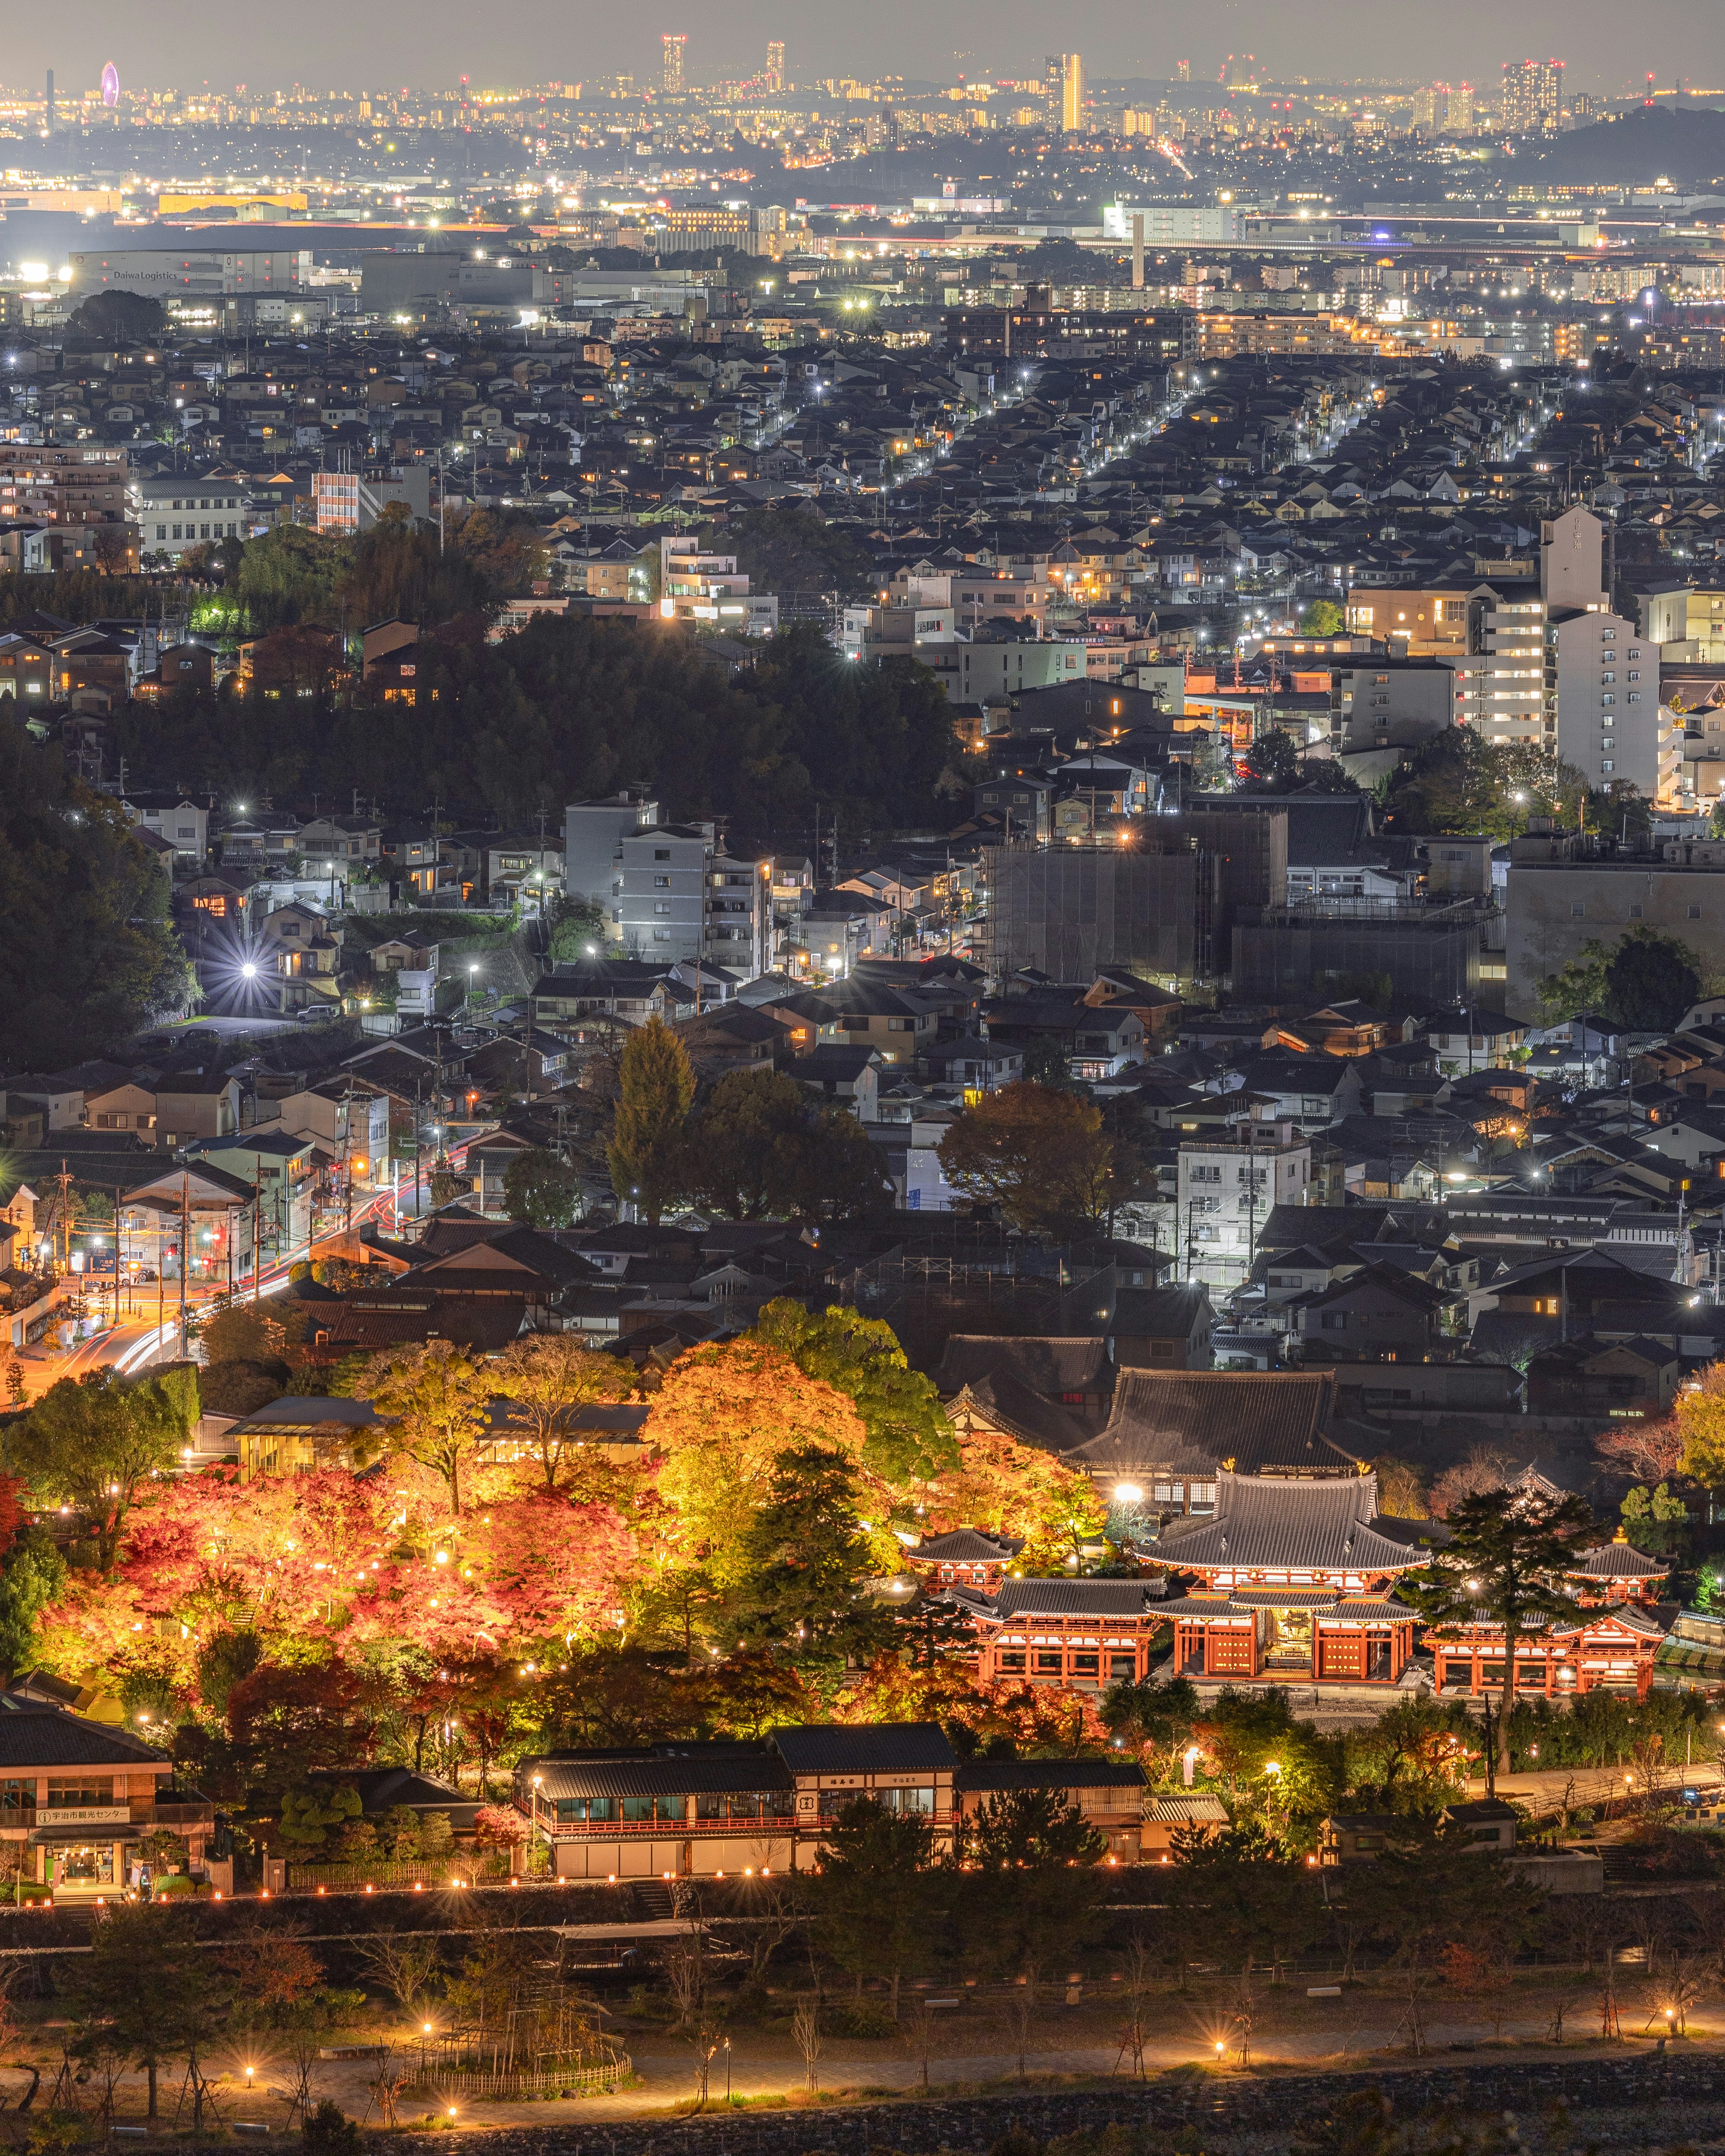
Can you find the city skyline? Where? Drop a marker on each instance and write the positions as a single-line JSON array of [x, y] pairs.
[[534, 44]]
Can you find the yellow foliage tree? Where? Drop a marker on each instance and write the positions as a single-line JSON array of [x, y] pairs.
[[721, 1417], [1002, 1487], [548, 1379], [1700, 1424]]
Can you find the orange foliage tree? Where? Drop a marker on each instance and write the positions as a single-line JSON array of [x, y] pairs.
[[1002, 1487], [721, 1419]]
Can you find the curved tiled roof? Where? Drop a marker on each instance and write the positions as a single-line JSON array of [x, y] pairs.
[[1291, 1522], [1005, 1402], [1619, 1559], [966, 1546], [1070, 1597], [1050, 1364], [1191, 1421]]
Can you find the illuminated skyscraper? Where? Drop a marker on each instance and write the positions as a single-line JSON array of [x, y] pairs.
[[670, 70], [1063, 91], [1532, 96], [775, 65]]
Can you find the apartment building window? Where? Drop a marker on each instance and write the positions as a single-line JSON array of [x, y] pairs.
[[1633, 695], [661, 935], [661, 853], [661, 883], [1635, 913], [661, 906], [1695, 913], [1606, 764], [1577, 911], [1201, 1174], [1632, 675], [1603, 701]]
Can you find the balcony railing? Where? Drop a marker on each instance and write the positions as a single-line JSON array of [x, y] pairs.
[[776, 1823]]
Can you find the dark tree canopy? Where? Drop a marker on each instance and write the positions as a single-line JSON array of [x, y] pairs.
[[130, 317], [1651, 980], [86, 956], [570, 708], [792, 549]]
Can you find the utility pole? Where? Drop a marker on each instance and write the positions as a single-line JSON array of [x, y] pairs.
[[185, 1252]]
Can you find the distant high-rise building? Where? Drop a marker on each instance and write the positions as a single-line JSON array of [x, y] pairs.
[[49, 130], [1051, 76], [1071, 94], [1183, 70], [670, 67], [1581, 109], [1532, 96], [775, 65], [1444, 109]]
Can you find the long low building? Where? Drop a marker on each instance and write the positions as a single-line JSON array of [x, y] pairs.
[[714, 1810]]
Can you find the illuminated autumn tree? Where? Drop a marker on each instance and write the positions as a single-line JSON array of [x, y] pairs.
[[722, 1417], [547, 1379], [436, 1401], [908, 1434], [1037, 1154], [1002, 1487], [1700, 1417], [649, 1148], [555, 1568], [92, 1444]]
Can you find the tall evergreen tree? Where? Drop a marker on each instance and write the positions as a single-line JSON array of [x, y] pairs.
[[1504, 1563], [649, 1148]]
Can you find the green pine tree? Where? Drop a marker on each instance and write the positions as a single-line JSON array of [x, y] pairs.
[[649, 1148]]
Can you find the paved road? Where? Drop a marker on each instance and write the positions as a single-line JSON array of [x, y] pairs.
[[1287, 2027], [140, 1339]]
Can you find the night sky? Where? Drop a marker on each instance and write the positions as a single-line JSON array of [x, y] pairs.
[[330, 43]]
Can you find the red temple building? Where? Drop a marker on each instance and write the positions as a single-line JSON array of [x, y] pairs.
[[1613, 1643], [1296, 1576], [1617, 1571], [1082, 1634], [964, 1558]]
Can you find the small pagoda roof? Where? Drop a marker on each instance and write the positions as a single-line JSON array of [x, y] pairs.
[[1619, 1559], [1062, 1597], [966, 1546]]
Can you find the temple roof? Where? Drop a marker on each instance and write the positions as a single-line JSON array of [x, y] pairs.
[[1064, 1598], [1051, 1363], [1619, 1559], [1321, 1601], [1191, 1421], [1003, 1401], [1289, 1523], [966, 1546]]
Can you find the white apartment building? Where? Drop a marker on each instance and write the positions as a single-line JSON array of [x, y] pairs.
[[1505, 686], [739, 915], [1225, 1189], [1610, 722], [1499, 681], [174, 512]]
